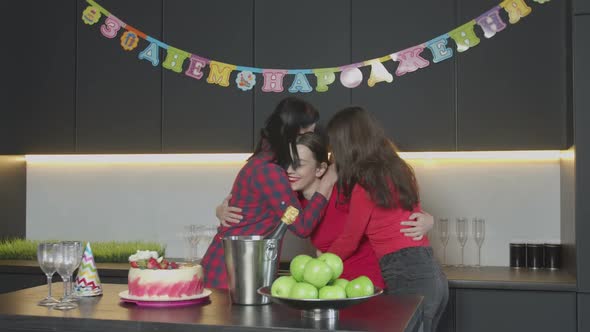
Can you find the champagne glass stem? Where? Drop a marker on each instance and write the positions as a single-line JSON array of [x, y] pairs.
[[65, 284], [478, 256], [49, 285], [444, 255], [462, 255], [72, 295]]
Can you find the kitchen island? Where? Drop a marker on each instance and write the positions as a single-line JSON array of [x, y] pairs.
[[19, 312]]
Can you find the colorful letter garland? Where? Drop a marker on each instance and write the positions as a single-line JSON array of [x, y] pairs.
[[409, 60]]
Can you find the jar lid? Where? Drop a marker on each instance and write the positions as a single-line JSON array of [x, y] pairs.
[[517, 242], [553, 242]]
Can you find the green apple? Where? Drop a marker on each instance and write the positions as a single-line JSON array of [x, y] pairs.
[[334, 262], [340, 283], [303, 290], [298, 265], [282, 286], [332, 292], [361, 286], [317, 273]]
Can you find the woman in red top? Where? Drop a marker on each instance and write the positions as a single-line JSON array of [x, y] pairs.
[[263, 192], [313, 156], [382, 190]]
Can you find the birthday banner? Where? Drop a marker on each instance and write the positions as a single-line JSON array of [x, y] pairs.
[[410, 59]]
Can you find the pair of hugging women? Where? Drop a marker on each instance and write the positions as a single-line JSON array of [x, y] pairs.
[[363, 206]]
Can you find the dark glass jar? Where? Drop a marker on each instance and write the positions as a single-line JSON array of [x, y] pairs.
[[517, 254], [535, 255], [553, 255]]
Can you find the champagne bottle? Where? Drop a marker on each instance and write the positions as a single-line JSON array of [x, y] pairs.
[[287, 219]]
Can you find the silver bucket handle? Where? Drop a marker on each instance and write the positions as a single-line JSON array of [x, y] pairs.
[[271, 251]]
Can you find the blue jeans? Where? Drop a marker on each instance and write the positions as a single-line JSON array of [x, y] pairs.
[[416, 271]]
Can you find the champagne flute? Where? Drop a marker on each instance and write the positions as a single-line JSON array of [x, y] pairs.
[[207, 233], [462, 237], [479, 234], [443, 234], [191, 237], [46, 257], [65, 262]]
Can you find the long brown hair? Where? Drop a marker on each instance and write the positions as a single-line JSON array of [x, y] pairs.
[[365, 156]]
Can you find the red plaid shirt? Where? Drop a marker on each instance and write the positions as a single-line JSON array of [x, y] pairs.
[[263, 191]]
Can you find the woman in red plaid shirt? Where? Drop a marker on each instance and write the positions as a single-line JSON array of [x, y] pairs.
[[262, 190]]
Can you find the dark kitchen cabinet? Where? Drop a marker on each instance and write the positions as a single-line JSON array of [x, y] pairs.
[[515, 311], [417, 109], [198, 116], [15, 58], [38, 77], [581, 7], [582, 138], [583, 312], [49, 127], [513, 88], [301, 34], [118, 100]]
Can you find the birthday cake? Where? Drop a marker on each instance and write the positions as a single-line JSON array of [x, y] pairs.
[[154, 278]]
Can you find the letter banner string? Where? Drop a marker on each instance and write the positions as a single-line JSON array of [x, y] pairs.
[[273, 80]]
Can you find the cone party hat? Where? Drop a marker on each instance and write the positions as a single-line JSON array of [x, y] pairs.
[[87, 281]]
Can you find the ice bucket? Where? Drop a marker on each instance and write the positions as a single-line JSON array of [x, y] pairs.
[[252, 262]]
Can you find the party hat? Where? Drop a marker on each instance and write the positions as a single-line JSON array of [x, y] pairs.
[[87, 281]]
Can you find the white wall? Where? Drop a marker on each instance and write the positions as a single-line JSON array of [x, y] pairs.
[[153, 202]]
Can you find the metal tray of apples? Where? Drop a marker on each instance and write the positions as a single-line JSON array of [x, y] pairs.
[[318, 308]]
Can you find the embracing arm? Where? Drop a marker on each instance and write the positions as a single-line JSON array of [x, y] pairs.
[[274, 185], [419, 224], [226, 214]]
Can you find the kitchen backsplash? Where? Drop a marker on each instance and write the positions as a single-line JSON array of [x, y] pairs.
[[153, 202]]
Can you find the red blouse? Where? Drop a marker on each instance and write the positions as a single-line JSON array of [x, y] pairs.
[[381, 226], [363, 260]]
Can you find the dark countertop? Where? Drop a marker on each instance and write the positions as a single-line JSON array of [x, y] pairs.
[[19, 311], [500, 277], [487, 277]]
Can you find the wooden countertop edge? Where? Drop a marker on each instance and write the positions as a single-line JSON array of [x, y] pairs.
[[36, 323]]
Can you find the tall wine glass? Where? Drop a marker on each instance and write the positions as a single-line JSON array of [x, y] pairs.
[[66, 262], [479, 234], [46, 257], [443, 235], [462, 237]]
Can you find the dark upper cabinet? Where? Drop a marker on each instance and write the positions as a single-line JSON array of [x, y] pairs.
[[49, 127], [16, 73], [198, 116], [581, 6], [514, 311], [302, 34], [118, 100], [513, 88], [417, 109], [582, 139]]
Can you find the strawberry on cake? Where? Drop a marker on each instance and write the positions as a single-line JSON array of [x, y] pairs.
[[154, 278]]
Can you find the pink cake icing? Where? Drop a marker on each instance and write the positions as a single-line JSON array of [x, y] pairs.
[[154, 278], [162, 284]]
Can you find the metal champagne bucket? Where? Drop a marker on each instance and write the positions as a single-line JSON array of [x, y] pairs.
[[252, 262]]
